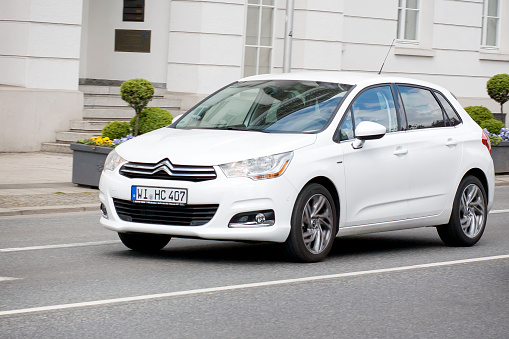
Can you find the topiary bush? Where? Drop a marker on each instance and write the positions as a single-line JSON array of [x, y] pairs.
[[498, 89], [137, 93], [116, 130], [479, 113], [492, 125], [152, 118]]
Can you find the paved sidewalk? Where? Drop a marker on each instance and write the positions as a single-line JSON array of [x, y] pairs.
[[40, 182]]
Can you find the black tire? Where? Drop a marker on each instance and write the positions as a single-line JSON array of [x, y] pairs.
[[144, 242], [313, 226], [469, 213]]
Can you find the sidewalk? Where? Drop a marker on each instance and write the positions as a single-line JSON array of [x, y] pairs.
[[35, 183]]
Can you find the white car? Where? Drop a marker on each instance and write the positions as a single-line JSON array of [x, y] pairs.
[[300, 159]]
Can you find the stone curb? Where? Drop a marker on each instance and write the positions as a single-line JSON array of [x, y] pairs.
[[4, 212]]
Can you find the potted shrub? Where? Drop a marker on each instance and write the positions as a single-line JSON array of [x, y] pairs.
[[89, 154], [499, 136], [498, 89]]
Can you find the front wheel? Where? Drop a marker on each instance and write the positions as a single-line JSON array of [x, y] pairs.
[[468, 217], [313, 225], [144, 242]]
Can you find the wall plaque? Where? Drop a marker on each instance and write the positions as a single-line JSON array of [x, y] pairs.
[[130, 40]]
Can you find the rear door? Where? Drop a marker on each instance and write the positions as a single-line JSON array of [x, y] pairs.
[[434, 149]]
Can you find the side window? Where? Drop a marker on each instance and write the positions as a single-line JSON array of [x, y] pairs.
[[376, 105], [421, 108], [346, 128], [452, 116]]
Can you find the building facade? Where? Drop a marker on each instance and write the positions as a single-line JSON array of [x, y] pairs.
[[193, 47]]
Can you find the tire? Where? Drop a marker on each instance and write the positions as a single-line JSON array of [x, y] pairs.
[[468, 217], [144, 242], [313, 226]]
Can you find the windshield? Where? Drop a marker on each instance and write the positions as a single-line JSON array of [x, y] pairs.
[[281, 106]]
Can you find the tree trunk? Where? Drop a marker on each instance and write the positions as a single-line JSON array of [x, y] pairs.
[[136, 124]]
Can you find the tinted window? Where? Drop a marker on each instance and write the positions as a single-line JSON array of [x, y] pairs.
[[422, 109], [450, 112], [376, 105], [346, 128]]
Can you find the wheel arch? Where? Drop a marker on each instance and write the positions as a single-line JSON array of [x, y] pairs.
[[329, 185], [479, 174]]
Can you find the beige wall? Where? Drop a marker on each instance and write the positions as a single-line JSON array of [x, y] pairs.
[[31, 116]]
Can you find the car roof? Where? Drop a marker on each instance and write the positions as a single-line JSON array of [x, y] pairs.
[[350, 78]]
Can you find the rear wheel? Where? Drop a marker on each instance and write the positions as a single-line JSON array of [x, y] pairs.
[[468, 217], [144, 242], [314, 225]]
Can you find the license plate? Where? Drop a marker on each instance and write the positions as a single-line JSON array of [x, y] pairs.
[[159, 195]]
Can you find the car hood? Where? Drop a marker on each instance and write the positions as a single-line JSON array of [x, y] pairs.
[[202, 147]]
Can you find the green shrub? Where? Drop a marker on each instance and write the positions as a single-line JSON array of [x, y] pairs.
[[137, 93], [498, 89], [493, 126], [152, 118], [116, 130], [479, 113]]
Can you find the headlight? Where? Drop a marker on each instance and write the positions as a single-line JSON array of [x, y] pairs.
[[271, 166], [112, 161]]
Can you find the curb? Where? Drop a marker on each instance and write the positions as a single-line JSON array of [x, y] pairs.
[[4, 212]]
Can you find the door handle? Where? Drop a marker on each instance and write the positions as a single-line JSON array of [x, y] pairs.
[[451, 143], [399, 151]]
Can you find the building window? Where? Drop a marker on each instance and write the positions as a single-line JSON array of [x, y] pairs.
[[408, 19], [134, 10], [259, 37], [490, 22]]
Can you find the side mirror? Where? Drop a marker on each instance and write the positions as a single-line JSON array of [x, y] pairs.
[[368, 130]]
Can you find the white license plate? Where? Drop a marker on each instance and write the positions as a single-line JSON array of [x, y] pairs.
[[159, 195]]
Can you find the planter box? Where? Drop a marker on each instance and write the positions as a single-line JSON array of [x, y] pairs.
[[88, 163], [500, 155]]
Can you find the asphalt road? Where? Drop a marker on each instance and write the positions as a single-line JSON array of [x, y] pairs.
[[64, 276]]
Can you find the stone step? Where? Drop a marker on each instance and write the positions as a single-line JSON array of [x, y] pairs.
[[88, 125], [73, 136], [92, 89], [56, 147], [108, 113], [119, 113], [116, 101]]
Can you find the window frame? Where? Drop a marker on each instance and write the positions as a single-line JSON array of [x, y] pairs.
[[484, 26], [447, 123], [399, 117], [401, 22], [260, 5]]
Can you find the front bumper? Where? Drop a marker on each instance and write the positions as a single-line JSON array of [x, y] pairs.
[[233, 195]]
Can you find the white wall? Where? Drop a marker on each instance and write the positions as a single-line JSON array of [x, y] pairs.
[[206, 40], [40, 43], [31, 116], [99, 59]]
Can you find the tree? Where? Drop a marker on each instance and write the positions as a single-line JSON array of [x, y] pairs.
[[498, 89], [137, 93]]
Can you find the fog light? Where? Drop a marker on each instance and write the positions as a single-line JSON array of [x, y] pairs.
[[253, 219], [104, 211], [260, 218]]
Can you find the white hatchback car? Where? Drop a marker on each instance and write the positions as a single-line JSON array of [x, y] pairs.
[[299, 159]]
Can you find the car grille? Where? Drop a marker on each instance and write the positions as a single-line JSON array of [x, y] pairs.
[[188, 215], [165, 170]]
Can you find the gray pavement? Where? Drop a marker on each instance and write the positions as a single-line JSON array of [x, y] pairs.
[[40, 182]]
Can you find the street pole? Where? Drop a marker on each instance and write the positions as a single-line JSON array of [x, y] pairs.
[[287, 58]]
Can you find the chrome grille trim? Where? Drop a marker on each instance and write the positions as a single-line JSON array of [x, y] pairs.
[[165, 170]]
